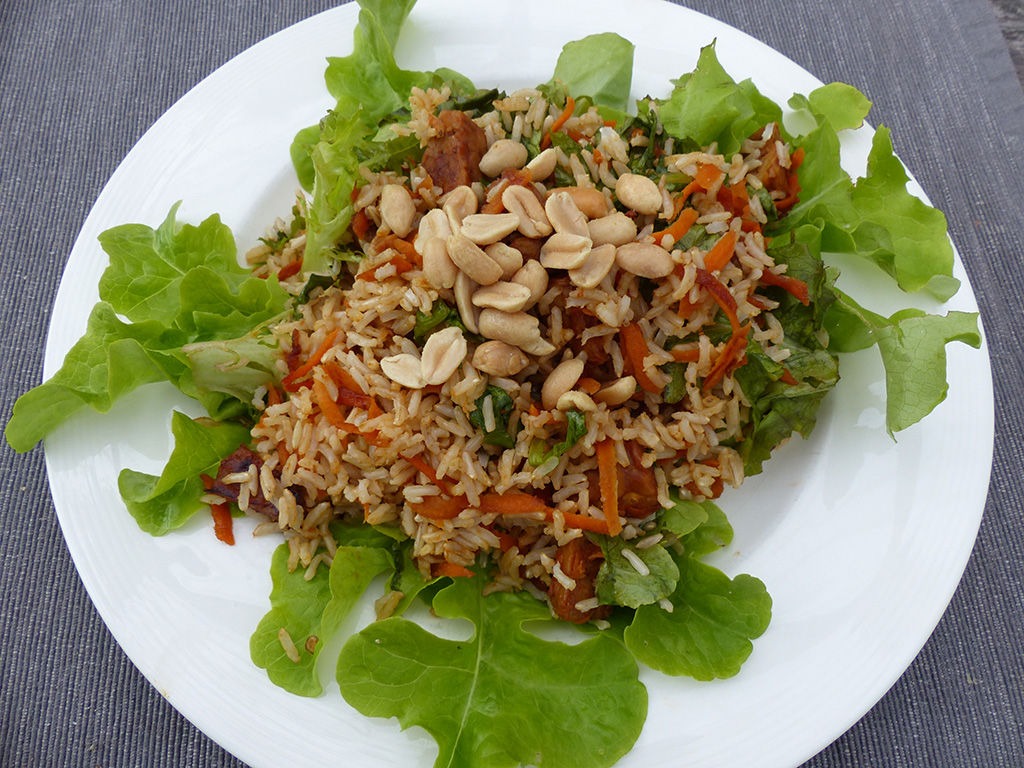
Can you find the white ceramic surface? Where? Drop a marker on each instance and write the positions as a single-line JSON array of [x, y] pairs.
[[860, 539]]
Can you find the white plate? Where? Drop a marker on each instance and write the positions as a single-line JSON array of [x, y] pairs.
[[860, 539]]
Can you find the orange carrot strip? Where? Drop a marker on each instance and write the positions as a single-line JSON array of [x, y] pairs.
[[589, 385], [361, 225], [421, 464], [679, 227], [708, 175], [788, 378], [401, 266], [273, 396], [608, 479], [222, 527], [686, 354], [570, 107], [454, 570], [514, 503], [634, 349], [328, 407], [733, 348], [404, 247], [585, 523], [598, 157], [303, 370], [721, 252], [791, 285], [721, 295], [342, 377], [440, 507], [290, 269]]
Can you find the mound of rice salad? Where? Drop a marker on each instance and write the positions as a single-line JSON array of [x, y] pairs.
[[540, 340]]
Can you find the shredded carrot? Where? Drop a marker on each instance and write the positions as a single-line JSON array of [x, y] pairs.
[[598, 157], [273, 396], [290, 269], [748, 225], [585, 523], [494, 205], [589, 385], [797, 158], [341, 377], [609, 123], [374, 410], [608, 479], [634, 349], [404, 247], [401, 266], [686, 354], [721, 252], [721, 295], [708, 175], [687, 307], [534, 410], [788, 378], [791, 285], [440, 507], [361, 225], [328, 407], [570, 107], [514, 503], [454, 570], [421, 464], [282, 454], [679, 227], [289, 381], [688, 190], [730, 354], [222, 527]]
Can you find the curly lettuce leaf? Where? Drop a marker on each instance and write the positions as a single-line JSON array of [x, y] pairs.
[[179, 284], [161, 504], [913, 349], [842, 105], [599, 66], [707, 106], [504, 697], [709, 631], [235, 367]]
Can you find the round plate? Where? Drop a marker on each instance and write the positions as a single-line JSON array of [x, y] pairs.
[[861, 539]]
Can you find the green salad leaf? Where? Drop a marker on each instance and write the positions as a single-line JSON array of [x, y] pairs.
[[708, 633], [575, 428], [599, 66], [502, 406], [711, 535], [178, 285], [161, 504], [619, 582], [503, 698]]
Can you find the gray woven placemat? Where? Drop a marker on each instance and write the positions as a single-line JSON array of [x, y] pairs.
[[80, 81]]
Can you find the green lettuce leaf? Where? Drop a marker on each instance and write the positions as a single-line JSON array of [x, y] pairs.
[[684, 516], [311, 611], [235, 367], [502, 406], [842, 105], [708, 106], [913, 349], [711, 535], [503, 698], [709, 631], [599, 66], [161, 504], [576, 427], [619, 583]]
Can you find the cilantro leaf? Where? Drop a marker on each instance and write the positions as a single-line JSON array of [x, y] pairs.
[[502, 406], [576, 427], [504, 697], [708, 632]]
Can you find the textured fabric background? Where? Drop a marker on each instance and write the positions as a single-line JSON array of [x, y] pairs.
[[81, 80]]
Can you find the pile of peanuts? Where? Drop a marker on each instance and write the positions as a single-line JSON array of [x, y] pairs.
[[494, 288]]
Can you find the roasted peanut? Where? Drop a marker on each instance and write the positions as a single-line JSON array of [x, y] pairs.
[[564, 251], [615, 228], [503, 154], [438, 268], [496, 358], [458, 204], [638, 193], [403, 369], [464, 289], [509, 259], [442, 355], [508, 297], [616, 393], [487, 228], [543, 165], [518, 329], [533, 221], [397, 209], [559, 381], [644, 259], [593, 269], [576, 400], [589, 200], [565, 216], [534, 277], [469, 258], [433, 224]]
